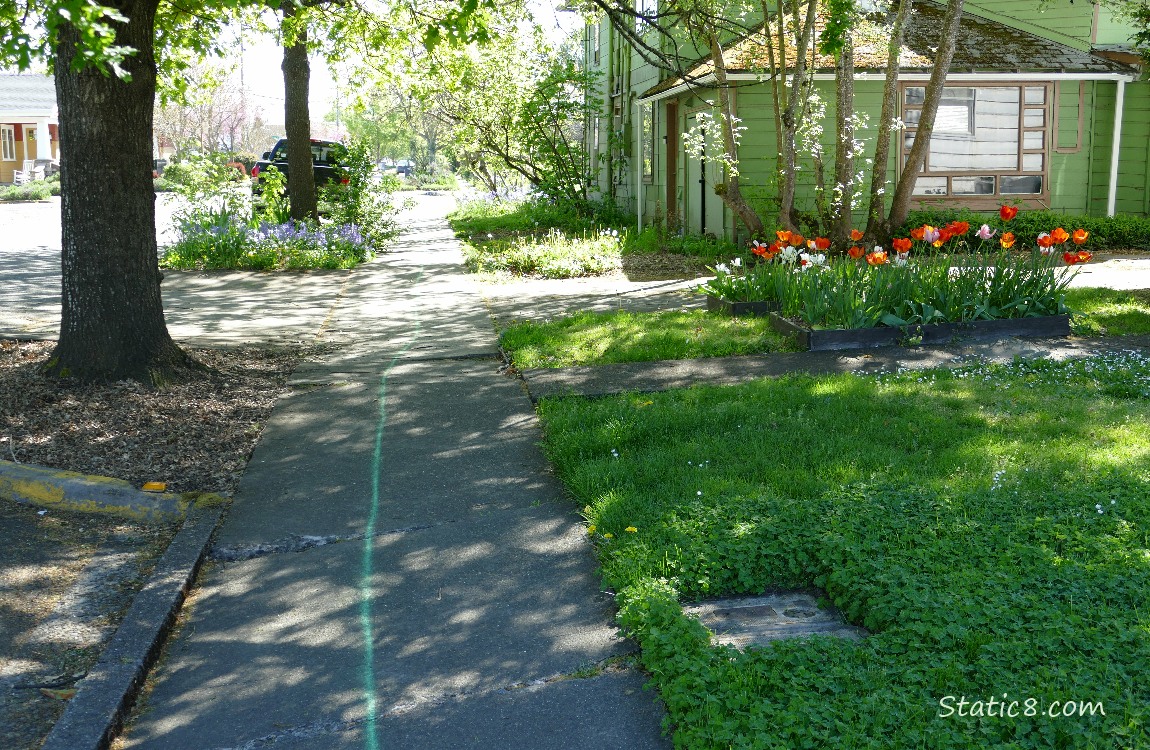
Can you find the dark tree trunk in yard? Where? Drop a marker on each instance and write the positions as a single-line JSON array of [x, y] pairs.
[[844, 150], [297, 123], [877, 228], [900, 204], [112, 323]]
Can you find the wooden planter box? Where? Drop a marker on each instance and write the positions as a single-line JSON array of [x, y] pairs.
[[1049, 326], [759, 309]]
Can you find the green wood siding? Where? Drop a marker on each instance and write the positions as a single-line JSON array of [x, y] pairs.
[[1068, 23], [1134, 155], [1111, 30], [1071, 155]]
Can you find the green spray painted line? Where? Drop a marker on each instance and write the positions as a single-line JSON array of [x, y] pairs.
[[371, 737]]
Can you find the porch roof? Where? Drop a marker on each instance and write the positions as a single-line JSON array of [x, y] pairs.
[[984, 47], [27, 95]]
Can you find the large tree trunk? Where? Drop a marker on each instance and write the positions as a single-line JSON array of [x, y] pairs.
[[112, 319], [297, 120]]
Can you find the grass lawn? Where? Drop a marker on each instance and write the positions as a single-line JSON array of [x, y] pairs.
[[990, 526], [537, 238], [602, 338], [1110, 312]]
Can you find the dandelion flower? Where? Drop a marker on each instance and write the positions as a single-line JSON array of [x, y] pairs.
[[591, 529], [608, 535], [630, 529]]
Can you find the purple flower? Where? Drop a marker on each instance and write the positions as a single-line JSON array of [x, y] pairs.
[[985, 232]]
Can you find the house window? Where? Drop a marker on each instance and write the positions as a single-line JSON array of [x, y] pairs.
[[644, 9], [7, 143], [988, 141], [647, 142], [595, 43]]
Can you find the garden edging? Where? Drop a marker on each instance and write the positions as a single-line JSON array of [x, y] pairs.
[[1046, 326]]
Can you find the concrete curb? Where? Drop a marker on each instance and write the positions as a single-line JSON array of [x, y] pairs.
[[105, 695], [70, 490]]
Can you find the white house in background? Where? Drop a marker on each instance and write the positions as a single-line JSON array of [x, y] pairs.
[[29, 122]]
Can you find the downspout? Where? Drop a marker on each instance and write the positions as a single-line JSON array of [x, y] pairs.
[[1116, 147], [639, 161]]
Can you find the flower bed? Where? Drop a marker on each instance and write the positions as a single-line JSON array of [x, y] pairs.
[[870, 287]]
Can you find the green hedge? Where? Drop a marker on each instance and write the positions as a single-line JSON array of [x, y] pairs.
[[39, 190], [1114, 233]]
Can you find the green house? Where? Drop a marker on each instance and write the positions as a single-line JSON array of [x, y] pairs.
[[1045, 106]]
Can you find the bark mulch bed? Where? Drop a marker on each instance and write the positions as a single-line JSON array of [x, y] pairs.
[[67, 578]]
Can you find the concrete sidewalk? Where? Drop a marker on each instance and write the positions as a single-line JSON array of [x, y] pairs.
[[399, 568]]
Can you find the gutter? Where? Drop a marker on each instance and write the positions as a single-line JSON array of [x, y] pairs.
[[1116, 147]]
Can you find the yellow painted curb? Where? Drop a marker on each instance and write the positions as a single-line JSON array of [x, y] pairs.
[[54, 488]]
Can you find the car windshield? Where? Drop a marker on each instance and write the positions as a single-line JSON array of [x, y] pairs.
[[322, 152]]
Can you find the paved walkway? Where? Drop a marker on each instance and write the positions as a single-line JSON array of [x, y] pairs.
[[399, 567]]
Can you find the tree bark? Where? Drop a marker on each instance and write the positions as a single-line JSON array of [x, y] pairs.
[[804, 27], [297, 120], [732, 195], [844, 145], [112, 318], [900, 205], [877, 228]]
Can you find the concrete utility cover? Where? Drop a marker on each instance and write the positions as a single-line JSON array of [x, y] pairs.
[[758, 620]]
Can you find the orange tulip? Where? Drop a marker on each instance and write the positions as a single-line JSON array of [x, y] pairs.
[[1006, 213], [760, 250], [1006, 240], [1085, 256], [1059, 236], [856, 235], [856, 252], [957, 228], [783, 235], [1045, 240], [877, 258], [1070, 257], [797, 239], [1080, 236], [901, 244], [822, 243], [918, 233]]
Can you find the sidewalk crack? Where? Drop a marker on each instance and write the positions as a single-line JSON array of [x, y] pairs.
[[302, 542], [321, 728]]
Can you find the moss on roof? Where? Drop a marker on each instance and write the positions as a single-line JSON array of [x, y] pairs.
[[983, 46]]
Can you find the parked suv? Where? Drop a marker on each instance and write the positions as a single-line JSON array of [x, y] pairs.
[[327, 158]]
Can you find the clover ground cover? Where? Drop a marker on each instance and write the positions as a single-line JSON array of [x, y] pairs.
[[990, 526]]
